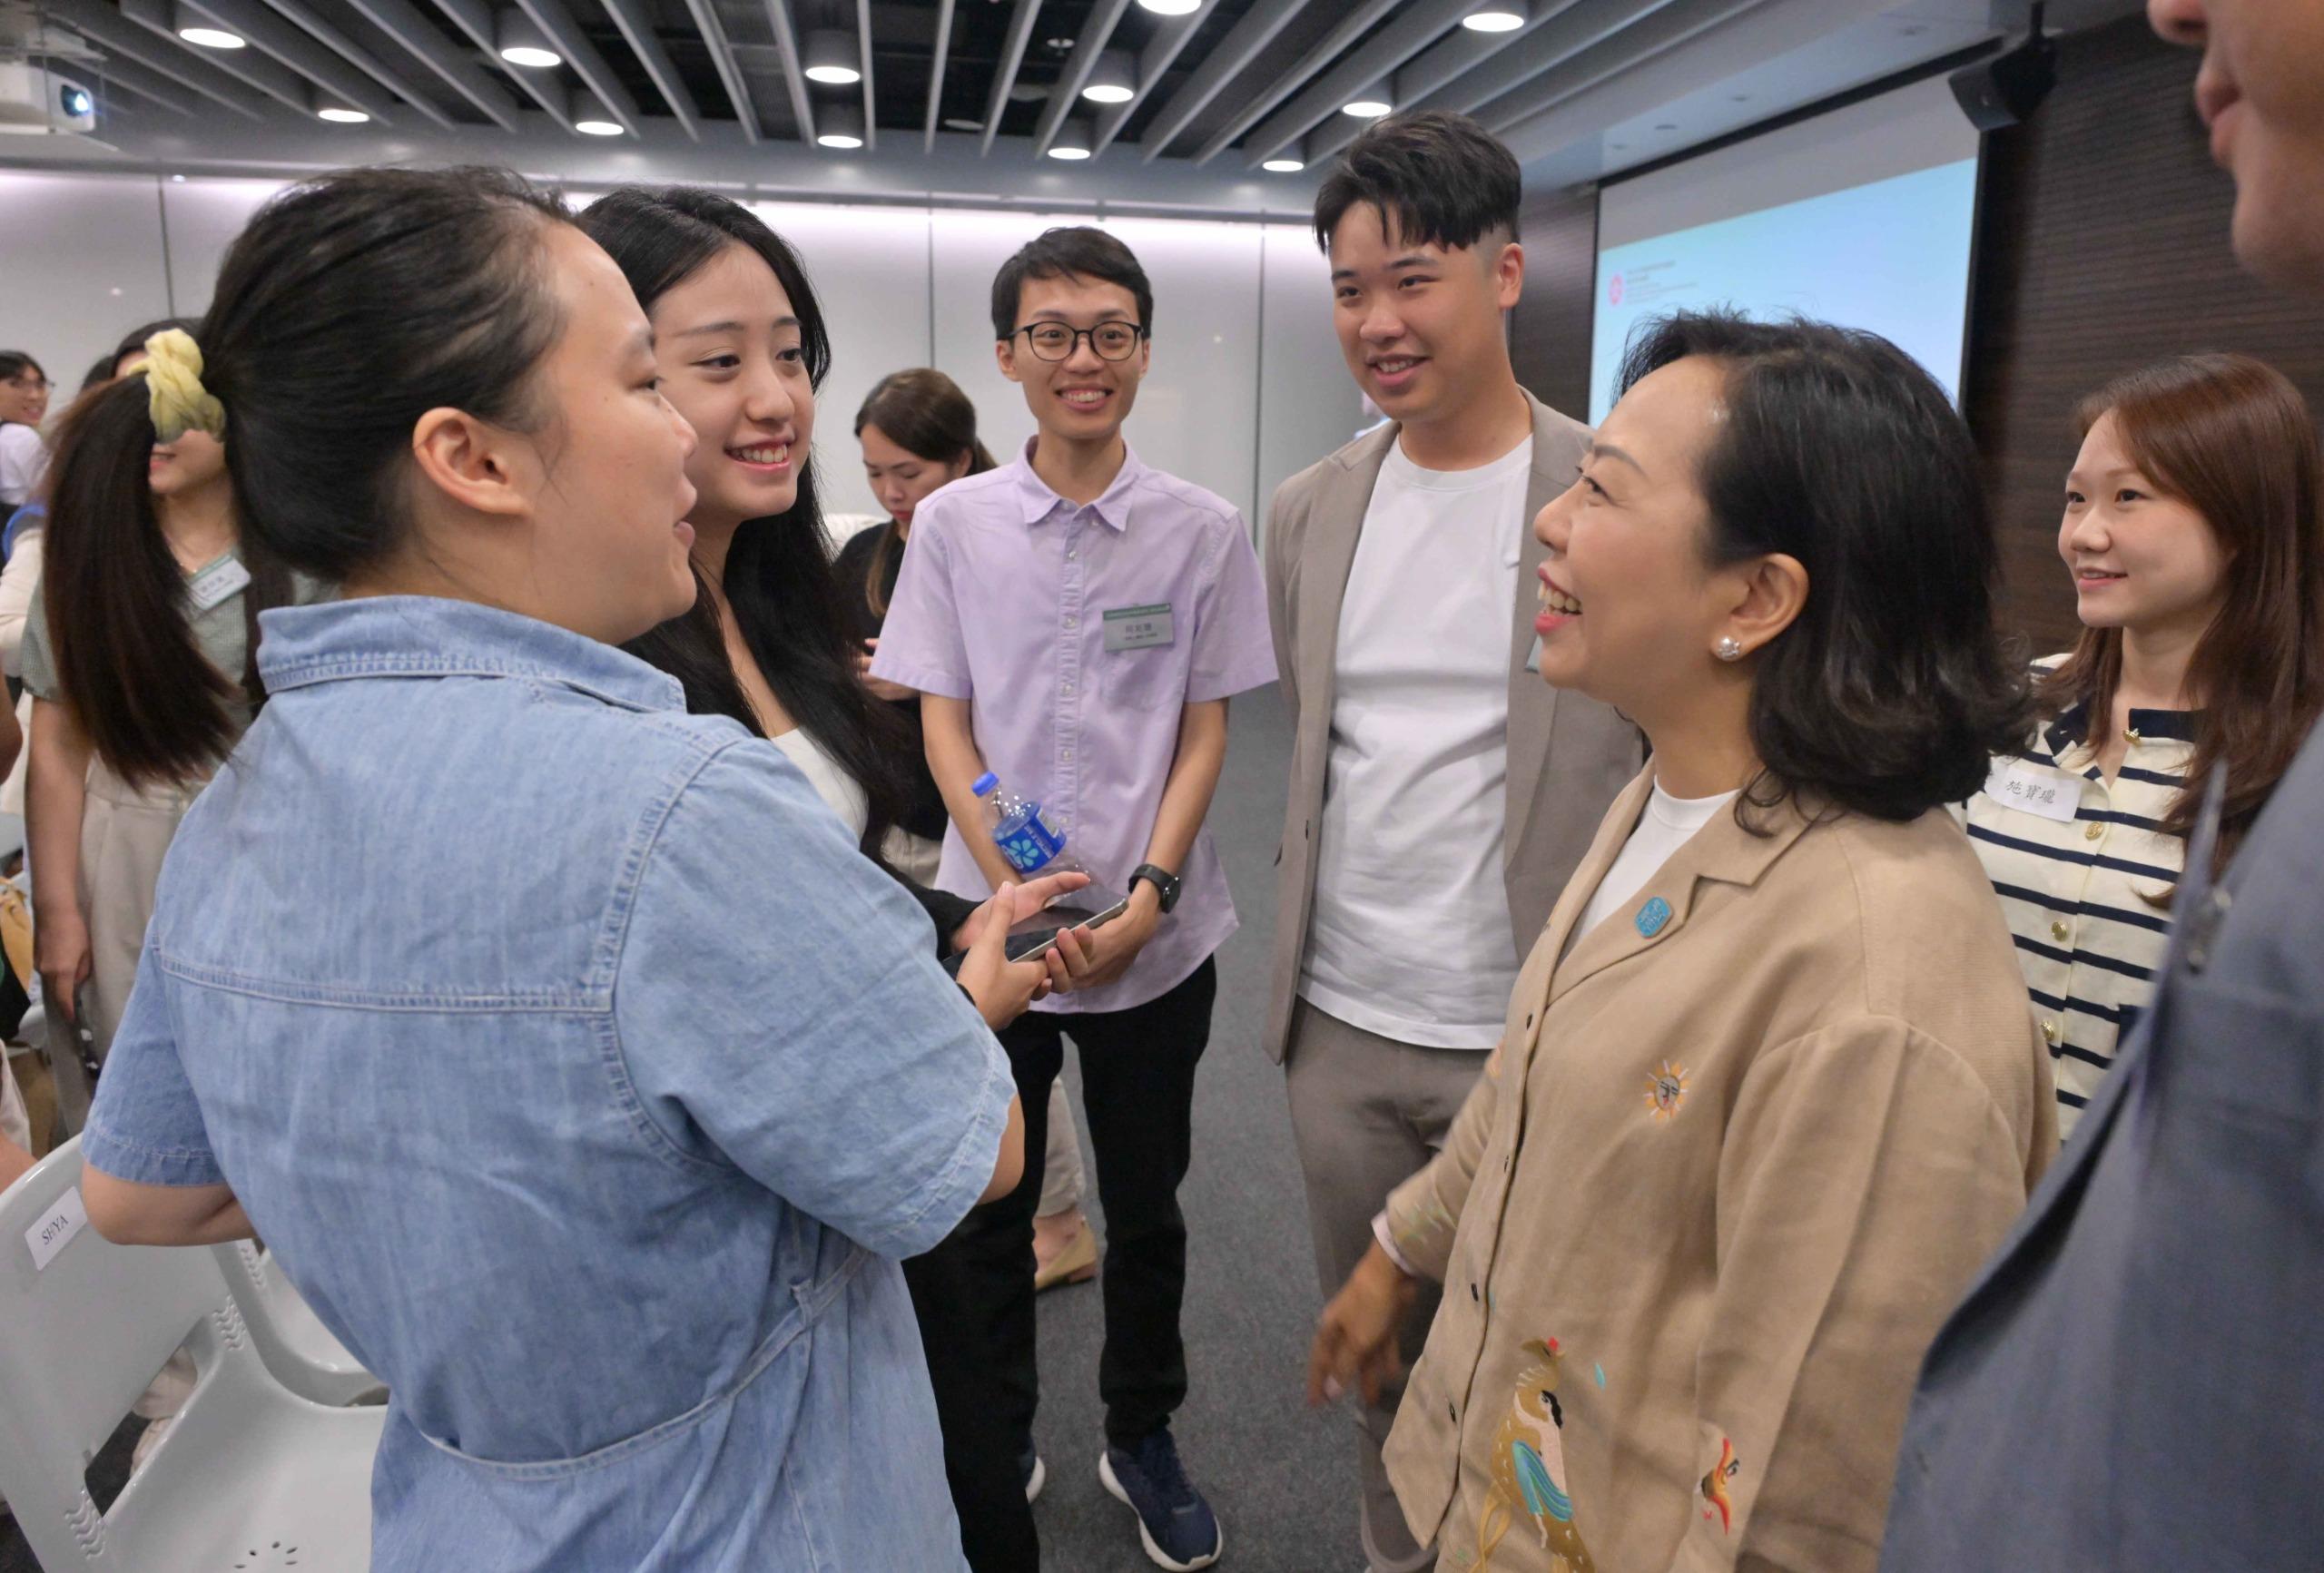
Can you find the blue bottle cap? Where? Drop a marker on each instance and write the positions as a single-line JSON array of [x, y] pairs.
[[984, 783]]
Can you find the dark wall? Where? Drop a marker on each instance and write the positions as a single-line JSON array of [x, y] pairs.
[[2103, 245], [1549, 333]]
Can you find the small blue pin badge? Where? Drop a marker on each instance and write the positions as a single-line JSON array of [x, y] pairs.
[[1652, 916]]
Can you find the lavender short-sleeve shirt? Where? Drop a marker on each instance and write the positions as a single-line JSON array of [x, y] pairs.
[[1002, 602]]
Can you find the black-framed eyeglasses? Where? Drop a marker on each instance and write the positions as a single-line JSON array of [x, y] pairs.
[[29, 383], [1056, 341]]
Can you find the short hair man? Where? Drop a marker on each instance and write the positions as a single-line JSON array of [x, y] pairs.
[[2133, 1383], [1075, 621], [1439, 798]]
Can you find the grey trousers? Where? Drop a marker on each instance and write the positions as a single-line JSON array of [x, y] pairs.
[[1366, 1112]]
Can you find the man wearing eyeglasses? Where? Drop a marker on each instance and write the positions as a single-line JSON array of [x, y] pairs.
[[1076, 622], [24, 401]]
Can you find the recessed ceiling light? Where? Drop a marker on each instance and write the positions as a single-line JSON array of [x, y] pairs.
[[1113, 79], [209, 38], [841, 127], [1366, 108], [1283, 166], [1171, 7], [1497, 17], [831, 58], [519, 40], [338, 115], [597, 127]]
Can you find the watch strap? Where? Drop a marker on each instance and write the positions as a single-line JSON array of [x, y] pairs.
[[1166, 884]]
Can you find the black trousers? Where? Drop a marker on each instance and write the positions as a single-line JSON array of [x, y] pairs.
[[974, 1293]]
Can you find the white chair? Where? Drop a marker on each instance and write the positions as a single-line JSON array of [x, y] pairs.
[[248, 1475], [297, 1349]]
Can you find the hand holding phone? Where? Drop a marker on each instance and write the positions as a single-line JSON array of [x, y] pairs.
[[1000, 988], [1037, 935]]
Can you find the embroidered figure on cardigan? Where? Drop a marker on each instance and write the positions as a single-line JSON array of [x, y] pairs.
[[1713, 1486], [1666, 1089], [1529, 1474]]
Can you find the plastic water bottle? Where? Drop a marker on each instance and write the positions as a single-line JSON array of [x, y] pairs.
[[1031, 844]]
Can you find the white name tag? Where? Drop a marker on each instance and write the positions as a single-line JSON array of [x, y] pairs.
[[56, 1230], [1139, 628], [2034, 789], [222, 578]]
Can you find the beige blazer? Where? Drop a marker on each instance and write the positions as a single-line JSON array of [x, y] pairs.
[[1568, 756], [1738, 1154]]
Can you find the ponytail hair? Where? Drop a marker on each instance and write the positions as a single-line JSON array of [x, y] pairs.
[[351, 306], [923, 412], [153, 707]]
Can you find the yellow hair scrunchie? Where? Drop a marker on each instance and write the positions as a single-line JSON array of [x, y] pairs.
[[178, 401]]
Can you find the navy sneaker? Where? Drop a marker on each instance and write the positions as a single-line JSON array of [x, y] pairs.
[[1180, 1531]]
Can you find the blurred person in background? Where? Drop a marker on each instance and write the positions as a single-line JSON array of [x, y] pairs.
[[918, 432]]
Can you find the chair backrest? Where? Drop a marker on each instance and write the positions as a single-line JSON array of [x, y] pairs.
[[298, 1351], [84, 1324]]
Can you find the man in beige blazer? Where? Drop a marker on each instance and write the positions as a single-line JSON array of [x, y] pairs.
[[1439, 796]]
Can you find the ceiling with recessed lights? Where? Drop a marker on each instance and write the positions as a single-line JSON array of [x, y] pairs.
[[1256, 89]]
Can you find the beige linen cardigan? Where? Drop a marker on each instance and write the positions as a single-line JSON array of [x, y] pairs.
[[1739, 1152]]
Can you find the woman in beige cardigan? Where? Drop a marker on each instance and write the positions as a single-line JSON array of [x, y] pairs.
[[1769, 1088]]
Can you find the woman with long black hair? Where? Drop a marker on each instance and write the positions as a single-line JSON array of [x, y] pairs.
[[767, 642], [743, 345]]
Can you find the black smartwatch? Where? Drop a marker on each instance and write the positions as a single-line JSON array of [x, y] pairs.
[[1165, 885]]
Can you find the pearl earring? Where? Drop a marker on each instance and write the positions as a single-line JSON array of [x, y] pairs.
[[1729, 648]]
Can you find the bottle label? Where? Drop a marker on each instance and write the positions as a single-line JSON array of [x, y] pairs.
[[1030, 847]]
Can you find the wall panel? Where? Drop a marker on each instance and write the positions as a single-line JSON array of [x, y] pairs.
[[204, 217], [84, 267], [870, 269], [1308, 404]]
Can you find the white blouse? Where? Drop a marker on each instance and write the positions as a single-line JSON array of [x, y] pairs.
[[842, 792]]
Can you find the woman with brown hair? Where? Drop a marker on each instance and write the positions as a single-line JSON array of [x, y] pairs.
[[2191, 531], [918, 434]]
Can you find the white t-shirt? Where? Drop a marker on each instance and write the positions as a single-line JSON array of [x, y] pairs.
[[1410, 937], [1667, 825], [841, 791], [23, 458]]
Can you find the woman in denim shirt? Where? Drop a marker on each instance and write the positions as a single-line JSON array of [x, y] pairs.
[[580, 1073]]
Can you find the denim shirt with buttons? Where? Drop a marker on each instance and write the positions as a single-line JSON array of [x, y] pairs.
[[586, 1081]]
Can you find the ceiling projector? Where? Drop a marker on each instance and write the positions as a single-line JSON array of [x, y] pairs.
[[38, 102]]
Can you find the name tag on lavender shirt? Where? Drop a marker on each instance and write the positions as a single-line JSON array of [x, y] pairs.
[[1139, 628], [222, 578]]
